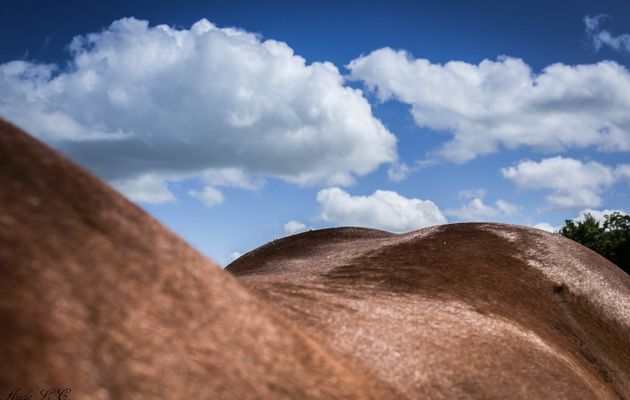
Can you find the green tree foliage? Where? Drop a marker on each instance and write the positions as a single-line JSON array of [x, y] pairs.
[[610, 239]]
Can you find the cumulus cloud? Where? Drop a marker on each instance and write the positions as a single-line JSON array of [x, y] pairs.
[[474, 209], [503, 103], [234, 177], [622, 172], [382, 209], [573, 183], [137, 100], [148, 188], [601, 37], [398, 172], [209, 196], [545, 226], [597, 214], [235, 255], [292, 227]]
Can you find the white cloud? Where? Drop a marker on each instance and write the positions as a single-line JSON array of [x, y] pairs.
[[506, 208], [471, 193], [602, 37], [398, 172], [382, 209], [546, 227], [233, 177], [148, 188], [474, 209], [573, 183], [597, 214], [209, 196], [235, 255], [622, 172], [138, 100], [503, 103], [292, 227]]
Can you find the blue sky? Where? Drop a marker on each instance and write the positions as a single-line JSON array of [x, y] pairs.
[[235, 123]]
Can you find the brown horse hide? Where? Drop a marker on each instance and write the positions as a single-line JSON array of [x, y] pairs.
[[100, 298], [457, 311]]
